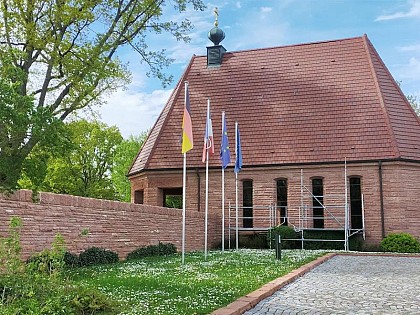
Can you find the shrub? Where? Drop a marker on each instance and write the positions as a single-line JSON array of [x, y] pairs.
[[257, 241], [49, 261], [37, 287], [355, 241], [90, 301], [286, 232], [97, 256], [152, 250], [71, 260], [400, 243]]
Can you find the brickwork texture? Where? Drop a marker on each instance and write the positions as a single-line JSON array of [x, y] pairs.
[[400, 185], [86, 222]]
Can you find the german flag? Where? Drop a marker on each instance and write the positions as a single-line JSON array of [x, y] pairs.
[[187, 135]]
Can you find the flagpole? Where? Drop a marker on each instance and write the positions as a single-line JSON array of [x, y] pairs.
[[184, 190], [207, 189], [207, 205], [236, 188], [223, 210], [223, 193]]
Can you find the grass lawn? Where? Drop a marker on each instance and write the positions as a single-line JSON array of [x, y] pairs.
[[161, 285]]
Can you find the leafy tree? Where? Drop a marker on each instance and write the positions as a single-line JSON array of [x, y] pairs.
[[84, 168], [57, 57], [414, 103], [124, 156]]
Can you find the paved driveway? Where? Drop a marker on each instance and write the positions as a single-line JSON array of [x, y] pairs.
[[351, 285]]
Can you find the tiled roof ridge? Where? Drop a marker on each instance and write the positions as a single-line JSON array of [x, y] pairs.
[[394, 82], [369, 48], [173, 97], [290, 45]]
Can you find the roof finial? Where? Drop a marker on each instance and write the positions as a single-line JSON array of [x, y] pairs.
[[216, 35]]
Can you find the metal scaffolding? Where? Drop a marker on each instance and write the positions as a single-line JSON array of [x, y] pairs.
[[335, 216]]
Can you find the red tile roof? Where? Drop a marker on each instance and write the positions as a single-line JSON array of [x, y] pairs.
[[309, 103]]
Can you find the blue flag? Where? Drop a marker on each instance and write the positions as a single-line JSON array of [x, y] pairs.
[[238, 162], [224, 148]]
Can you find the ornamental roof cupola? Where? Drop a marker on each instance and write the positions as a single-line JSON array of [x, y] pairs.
[[216, 35]]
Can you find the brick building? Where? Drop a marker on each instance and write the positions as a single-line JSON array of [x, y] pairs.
[[303, 111]]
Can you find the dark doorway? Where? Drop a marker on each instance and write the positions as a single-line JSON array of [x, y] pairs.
[[247, 204], [282, 200], [317, 202], [356, 203], [138, 196]]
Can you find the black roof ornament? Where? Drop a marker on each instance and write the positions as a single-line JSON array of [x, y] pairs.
[[216, 35]]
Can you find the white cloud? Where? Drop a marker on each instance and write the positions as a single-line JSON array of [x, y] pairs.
[[410, 48], [132, 111], [414, 11], [410, 71], [266, 9], [265, 30]]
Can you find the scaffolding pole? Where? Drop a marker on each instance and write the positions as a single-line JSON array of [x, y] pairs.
[[346, 210]]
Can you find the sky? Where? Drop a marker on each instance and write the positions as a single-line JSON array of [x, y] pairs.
[[393, 27]]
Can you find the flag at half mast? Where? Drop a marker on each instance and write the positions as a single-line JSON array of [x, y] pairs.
[[187, 135], [208, 136]]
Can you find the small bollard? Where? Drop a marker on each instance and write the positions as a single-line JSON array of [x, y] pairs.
[[278, 245]]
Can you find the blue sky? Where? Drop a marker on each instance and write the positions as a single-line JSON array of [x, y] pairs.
[[393, 26]]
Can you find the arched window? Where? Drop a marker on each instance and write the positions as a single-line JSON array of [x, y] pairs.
[[356, 202], [247, 203], [281, 185], [318, 202]]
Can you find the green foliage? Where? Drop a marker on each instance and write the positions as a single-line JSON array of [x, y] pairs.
[[55, 60], [285, 232], [10, 261], [414, 102], [38, 286], [257, 241], [31, 288], [49, 261], [355, 242], [125, 153], [19, 119], [84, 167], [160, 285], [71, 260], [152, 250], [90, 301], [173, 202], [400, 243], [97, 256]]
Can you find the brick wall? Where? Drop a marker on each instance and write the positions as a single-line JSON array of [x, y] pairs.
[[402, 198], [118, 226], [400, 186]]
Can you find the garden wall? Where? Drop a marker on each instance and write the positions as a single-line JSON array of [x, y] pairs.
[[87, 222]]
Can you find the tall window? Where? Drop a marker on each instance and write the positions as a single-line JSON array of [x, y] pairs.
[[247, 204], [138, 196], [356, 203], [172, 197], [317, 202], [282, 200]]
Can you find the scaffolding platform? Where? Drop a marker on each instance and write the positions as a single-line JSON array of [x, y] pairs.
[[335, 216]]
